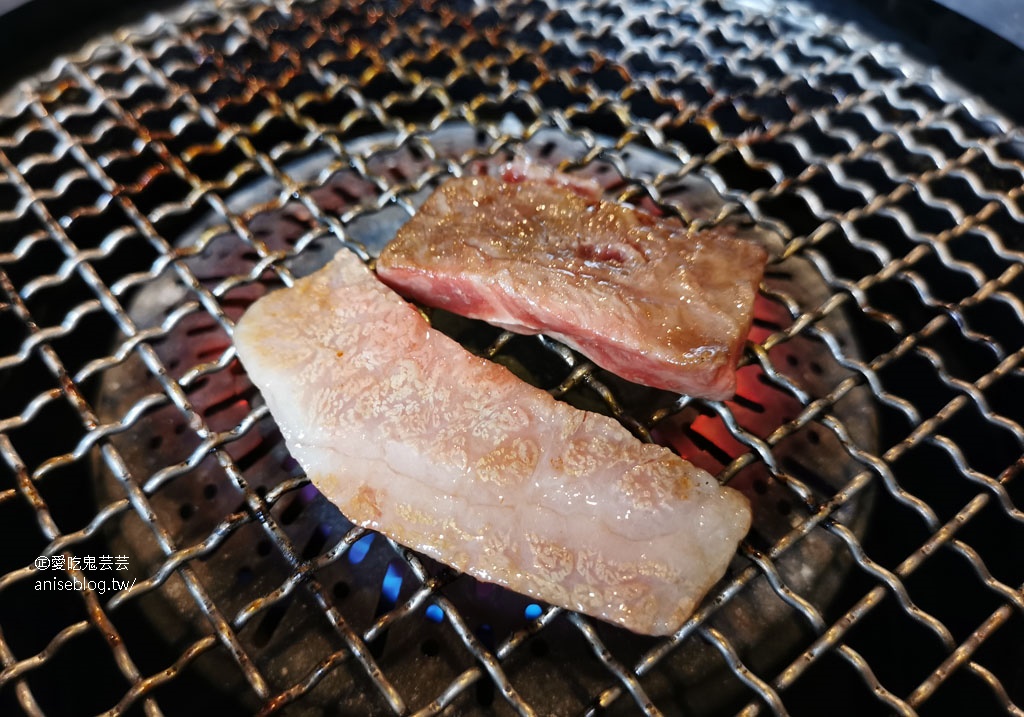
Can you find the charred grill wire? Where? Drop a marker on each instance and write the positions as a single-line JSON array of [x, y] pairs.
[[155, 184]]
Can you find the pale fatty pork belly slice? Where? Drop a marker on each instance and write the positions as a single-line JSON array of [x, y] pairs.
[[452, 455], [538, 252]]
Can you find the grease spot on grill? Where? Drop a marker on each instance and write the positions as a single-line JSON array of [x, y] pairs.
[[430, 647]]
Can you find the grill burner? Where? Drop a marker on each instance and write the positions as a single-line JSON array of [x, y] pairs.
[[196, 500], [156, 185]]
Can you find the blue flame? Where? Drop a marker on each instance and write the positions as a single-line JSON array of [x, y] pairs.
[[434, 613], [359, 550], [533, 611], [392, 583]]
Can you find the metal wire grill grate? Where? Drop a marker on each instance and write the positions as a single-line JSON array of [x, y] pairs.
[[127, 167]]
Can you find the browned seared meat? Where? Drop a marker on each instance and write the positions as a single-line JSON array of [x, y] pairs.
[[536, 251]]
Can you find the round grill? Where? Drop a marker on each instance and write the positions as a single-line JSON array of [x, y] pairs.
[[157, 183], [191, 501]]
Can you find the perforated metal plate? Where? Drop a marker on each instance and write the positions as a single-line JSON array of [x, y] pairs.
[[896, 302]]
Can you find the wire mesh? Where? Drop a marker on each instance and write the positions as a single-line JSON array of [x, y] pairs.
[[901, 191]]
